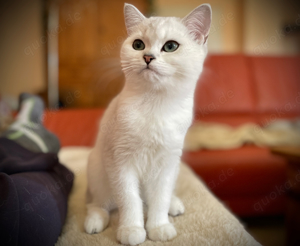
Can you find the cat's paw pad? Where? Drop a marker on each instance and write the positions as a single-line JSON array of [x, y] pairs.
[[94, 224], [176, 207], [162, 233], [131, 235]]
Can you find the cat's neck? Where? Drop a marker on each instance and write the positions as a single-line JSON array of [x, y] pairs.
[[155, 101], [180, 90]]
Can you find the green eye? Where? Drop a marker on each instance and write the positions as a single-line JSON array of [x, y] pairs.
[[170, 46], [138, 44]]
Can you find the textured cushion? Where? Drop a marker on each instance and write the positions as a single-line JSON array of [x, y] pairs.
[[205, 221]]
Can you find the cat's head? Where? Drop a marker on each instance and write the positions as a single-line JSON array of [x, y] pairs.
[[164, 52]]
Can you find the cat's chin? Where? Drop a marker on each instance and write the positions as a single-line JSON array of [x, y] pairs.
[[151, 74]]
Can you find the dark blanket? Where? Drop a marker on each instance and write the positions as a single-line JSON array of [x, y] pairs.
[[34, 189]]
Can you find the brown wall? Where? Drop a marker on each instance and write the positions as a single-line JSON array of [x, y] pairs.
[[22, 48], [246, 26], [91, 35]]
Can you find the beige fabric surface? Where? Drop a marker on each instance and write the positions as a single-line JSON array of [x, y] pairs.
[[221, 136], [205, 221]]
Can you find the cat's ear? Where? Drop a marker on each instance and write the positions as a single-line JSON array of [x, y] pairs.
[[198, 22], [132, 17]]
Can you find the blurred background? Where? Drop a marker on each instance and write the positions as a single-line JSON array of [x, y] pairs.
[[67, 51], [61, 49]]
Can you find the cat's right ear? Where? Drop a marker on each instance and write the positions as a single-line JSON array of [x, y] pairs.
[[132, 17]]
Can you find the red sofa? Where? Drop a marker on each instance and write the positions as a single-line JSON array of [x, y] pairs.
[[233, 89]]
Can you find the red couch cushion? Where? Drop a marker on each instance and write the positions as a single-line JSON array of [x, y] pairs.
[[74, 127], [269, 118], [228, 119], [266, 204], [224, 86], [247, 171], [277, 84]]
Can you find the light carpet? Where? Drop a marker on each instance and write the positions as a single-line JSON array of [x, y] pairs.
[[205, 221]]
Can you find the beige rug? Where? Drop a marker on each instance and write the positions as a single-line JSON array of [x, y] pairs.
[[205, 221]]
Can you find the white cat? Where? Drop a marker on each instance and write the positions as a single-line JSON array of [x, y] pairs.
[[139, 145]]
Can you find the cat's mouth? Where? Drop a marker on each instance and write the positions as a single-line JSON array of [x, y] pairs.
[[150, 69]]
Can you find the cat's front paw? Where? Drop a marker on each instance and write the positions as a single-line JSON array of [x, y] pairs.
[[131, 235], [93, 225], [176, 206], [96, 220], [162, 233]]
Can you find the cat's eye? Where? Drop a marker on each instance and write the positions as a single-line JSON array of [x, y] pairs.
[[170, 46], [138, 44]]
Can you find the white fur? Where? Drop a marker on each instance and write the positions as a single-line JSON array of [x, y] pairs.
[[139, 145]]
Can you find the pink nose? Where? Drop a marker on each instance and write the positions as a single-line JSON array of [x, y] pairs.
[[148, 58]]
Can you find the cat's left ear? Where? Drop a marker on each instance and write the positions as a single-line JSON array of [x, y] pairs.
[[132, 17], [198, 22]]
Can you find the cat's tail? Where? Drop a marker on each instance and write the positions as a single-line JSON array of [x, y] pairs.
[[96, 220]]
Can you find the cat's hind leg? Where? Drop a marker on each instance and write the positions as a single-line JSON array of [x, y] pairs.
[[176, 206]]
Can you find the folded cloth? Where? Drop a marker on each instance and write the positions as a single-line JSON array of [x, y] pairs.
[[220, 136], [34, 189]]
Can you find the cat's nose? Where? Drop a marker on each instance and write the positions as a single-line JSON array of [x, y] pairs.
[[148, 58]]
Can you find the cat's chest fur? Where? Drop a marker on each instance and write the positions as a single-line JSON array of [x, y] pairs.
[[152, 126]]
